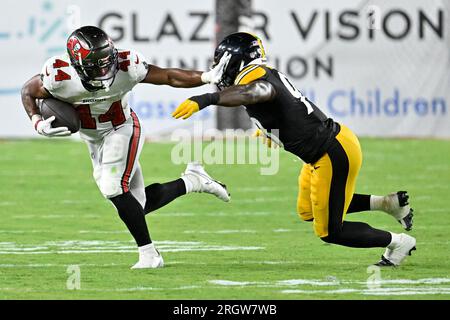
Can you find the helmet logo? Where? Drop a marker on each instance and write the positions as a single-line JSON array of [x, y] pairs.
[[76, 49]]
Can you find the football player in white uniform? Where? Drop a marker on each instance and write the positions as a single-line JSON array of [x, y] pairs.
[[96, 78]]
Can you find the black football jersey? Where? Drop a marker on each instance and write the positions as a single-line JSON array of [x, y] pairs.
[[290, 119]]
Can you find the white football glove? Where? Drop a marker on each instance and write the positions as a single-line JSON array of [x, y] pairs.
[[215, 74], [44, 127]]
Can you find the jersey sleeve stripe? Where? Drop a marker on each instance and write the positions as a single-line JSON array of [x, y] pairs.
[[252, 75]]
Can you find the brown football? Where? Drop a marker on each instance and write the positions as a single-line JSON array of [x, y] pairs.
[[65, 114]]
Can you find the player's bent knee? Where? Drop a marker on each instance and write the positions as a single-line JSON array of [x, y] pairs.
[[110, 188], [327, 239], [304, 211], [320, 229], [305, 215], [332, 236]]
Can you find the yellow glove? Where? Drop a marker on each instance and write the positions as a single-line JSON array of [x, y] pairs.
[[186, 109], [266, 140], [194, 104]]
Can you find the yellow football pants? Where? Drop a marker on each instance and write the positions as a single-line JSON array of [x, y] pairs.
[[326, 187]]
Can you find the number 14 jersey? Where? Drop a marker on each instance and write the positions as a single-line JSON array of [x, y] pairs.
[[100, 110]]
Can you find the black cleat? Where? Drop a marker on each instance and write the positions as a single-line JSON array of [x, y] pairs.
[[384, 263]]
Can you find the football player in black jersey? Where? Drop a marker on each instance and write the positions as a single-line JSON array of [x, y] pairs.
[[330, 150]]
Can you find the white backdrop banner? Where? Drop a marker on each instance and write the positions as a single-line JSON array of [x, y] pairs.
[[381, 67]]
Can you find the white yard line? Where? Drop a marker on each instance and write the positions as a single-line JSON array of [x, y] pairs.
[[266, 199], [170, 262], [231, 231], [57, 216], [59, 265], [325, 283], [282, 230], [378, 292], [24, 231], [386, 288], [260, 189], [104, 232], [213, 214], [159, 215], [288, 286], [219, 231], [98, 246]]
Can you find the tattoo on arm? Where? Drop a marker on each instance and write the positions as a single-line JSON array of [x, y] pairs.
[[33, 89], [255, 92]]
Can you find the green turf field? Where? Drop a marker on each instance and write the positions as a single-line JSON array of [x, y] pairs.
[[52, 216]]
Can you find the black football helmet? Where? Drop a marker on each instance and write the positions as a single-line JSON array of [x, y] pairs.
[[245, 48], [94, 57]]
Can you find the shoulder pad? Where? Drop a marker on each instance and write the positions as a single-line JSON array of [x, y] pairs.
[[134, 63], [55, 72], [250, 74]]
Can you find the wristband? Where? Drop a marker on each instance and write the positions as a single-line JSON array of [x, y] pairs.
[[206, 99], [35, 119]]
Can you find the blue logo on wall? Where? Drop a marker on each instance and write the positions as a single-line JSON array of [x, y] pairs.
[[40, 27]]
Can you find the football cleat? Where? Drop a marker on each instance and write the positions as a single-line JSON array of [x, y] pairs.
[[200, 181], [149, 262], [396, 204], [394, 257]]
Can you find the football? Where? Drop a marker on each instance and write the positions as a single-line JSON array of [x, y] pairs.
[[65, 114]]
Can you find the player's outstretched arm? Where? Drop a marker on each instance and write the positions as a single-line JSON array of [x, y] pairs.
[[34, 89], [235, 96], [173, 77], [180, 78]]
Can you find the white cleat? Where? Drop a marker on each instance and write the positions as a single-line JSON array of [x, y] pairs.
[[396, 204], [199, 181], [149, 262], [394, 257]]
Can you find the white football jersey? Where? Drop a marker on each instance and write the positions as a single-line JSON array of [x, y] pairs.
[[100, 110]]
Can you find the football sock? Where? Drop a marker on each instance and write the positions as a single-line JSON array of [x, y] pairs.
[[359, 235], [188, 183], [132, 214], [360, 202], [160, 194], [396, 240], [377, 203]]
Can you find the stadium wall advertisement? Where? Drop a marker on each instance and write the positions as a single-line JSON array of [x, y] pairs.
[[381, 67]]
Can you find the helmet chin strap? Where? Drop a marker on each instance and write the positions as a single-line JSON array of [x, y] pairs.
[[104, 84], [242, 66]]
